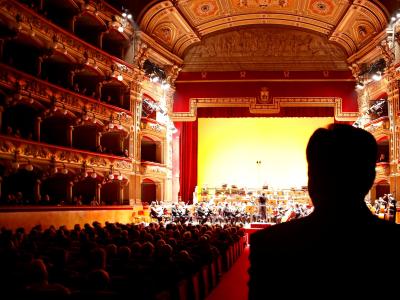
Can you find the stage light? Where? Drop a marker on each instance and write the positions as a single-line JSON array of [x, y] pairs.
[[377, 76]]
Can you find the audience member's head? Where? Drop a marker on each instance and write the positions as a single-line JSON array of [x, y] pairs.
[[341, 165]]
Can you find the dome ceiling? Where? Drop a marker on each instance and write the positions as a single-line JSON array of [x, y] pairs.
[[180, 25]]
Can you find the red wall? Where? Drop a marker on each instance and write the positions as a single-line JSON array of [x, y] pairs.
[[220, 85]]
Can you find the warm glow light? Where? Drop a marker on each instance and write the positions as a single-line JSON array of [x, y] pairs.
[[229, 148], [377, 76], [120, 29], [120, 78]]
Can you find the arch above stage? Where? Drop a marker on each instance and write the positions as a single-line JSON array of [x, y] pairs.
[[179, 24]]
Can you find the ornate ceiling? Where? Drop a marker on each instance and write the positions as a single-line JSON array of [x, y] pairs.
[[180, 25]]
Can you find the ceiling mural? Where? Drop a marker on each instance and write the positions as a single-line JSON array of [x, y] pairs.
[[270, 49], [180, 24]]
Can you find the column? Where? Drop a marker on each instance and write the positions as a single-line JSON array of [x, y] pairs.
[[36, 191], [70, 131], [1, 117], [70, 191], [38, 121], [98, 193], [393, 106], [121, 193], [39, 66], [98, 140]]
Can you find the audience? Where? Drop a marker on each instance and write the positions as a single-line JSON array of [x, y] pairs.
[[110, 260]]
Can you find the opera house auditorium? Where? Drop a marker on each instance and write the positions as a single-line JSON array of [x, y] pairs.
[[143, 143]]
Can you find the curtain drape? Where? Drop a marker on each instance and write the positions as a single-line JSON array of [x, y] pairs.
[[188, 159]]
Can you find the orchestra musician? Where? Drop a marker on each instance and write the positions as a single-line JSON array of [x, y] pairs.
[[262, 200]]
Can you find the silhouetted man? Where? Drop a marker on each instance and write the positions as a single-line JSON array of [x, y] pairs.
[[330, 253]]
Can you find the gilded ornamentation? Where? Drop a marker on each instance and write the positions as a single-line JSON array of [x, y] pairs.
[[273, 107], [266, 49], [322, 7], [206, 8], [264, 95]]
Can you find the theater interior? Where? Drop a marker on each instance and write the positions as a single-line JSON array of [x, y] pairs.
[[109, 108]]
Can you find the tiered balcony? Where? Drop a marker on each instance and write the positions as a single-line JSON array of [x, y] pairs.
[[37, 153], [29, 86], [51, 36]]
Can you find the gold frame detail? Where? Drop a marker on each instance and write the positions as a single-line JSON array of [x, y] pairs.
[[273, 107]]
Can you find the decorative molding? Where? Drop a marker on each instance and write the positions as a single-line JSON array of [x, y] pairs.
[[178, 24], [264, 49], [273, 107], [38, 152]]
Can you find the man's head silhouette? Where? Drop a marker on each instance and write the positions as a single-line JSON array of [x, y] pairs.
[[341, 166]]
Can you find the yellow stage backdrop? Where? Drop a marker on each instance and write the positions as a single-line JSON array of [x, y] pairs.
[[229, 149]]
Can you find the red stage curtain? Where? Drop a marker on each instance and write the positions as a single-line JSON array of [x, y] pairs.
[[188, 159]]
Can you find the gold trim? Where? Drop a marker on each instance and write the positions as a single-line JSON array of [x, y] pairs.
[[265, 80], [273, 107]]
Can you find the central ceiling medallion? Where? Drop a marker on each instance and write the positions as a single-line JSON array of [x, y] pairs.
[[206, 8], [321, 7]]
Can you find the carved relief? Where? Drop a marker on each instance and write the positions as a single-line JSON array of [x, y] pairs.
[[265, 48], [166, 32]]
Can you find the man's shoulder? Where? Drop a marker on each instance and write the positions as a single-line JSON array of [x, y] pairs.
[[280, 231]]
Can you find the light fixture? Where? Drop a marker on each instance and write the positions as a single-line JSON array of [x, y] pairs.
[[15, 165], [120, 177], [111, 176], [360, 85], [124, 14], [120, 29], [154, 78], [129, 16], [93, 175], [165, 85], [119, 77], [29, 167], [64, 171], [398, 15], [377, 76]]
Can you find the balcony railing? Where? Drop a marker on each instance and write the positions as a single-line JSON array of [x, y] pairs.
[[152, 127], [149, 168], [41, 152]]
